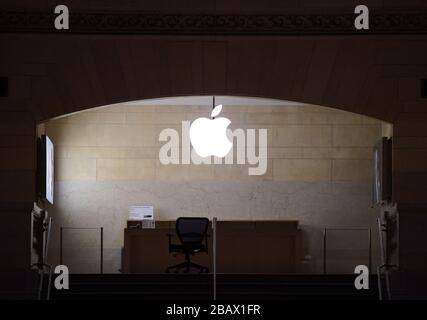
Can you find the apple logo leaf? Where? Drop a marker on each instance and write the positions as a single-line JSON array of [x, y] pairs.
[[216, 111]]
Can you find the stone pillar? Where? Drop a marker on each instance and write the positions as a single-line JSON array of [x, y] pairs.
[[410, 188], [17, 194]]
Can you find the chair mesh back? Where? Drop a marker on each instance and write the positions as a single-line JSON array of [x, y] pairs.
[[191, 230]]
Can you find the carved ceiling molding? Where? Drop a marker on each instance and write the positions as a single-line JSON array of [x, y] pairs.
[[215, 24]]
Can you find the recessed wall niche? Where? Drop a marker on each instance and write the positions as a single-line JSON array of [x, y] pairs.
[[319, 171]]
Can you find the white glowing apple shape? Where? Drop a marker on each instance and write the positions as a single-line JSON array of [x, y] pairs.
[[209, 136]]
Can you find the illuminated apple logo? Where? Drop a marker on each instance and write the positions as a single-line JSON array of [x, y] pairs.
[[209, 136]]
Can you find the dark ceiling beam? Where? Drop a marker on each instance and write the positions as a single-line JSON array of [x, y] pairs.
[[212, 24]]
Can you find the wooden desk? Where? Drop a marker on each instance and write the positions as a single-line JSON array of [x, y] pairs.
[[272, 247]]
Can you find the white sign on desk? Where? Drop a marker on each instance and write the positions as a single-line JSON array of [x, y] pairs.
[[141, 213]]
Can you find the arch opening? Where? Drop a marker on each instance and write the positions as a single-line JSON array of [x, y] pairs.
[[318, 172]]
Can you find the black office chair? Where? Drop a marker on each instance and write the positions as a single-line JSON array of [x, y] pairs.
[[191, 233]]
